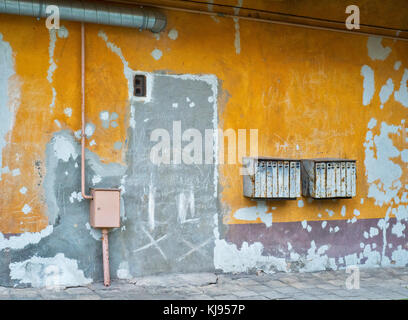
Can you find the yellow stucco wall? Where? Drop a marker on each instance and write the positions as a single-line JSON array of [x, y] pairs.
[[302, 89]]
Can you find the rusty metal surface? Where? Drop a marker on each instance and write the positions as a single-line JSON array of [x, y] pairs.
[[328, 178], [271, 178]]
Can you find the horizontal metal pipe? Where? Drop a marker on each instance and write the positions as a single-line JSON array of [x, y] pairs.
[[279, 22], [91, 12]]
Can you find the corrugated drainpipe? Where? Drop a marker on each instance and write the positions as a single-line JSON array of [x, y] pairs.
[[92, 12]]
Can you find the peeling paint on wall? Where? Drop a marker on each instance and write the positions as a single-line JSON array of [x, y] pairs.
[[9, 94], [48, 272], [24, 239], [376, 51]]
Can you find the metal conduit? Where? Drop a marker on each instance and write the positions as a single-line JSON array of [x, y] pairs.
[[91, 12]]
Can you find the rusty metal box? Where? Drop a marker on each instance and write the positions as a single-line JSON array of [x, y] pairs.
[[328, 178], [105, 208], [271, 178]]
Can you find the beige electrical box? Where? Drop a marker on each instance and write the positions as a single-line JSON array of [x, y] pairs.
[[105, 208]]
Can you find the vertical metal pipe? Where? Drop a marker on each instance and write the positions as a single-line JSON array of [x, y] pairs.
[[105, 253], [84, 195]]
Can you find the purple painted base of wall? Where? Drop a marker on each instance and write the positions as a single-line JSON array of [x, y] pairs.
[[342, 240]]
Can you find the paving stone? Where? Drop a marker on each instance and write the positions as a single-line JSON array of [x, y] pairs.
[[78, 290], [258, 297], [87, 297], [258, 288], [226, 297], [275, 284], [4, 291], [245, 293], [25, 294], [402, 291], [199, 279], [215, 291], [274, 295], [246, 281], [302, 285], [200, 297], [287, 290], [375, 283]]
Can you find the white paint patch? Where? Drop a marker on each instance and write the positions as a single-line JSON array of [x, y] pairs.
[[356, 212], [26, 209], [51, 48], [237, 40], [151, 205], [368, 84], [75, 196], [343, 211], [229, 258], [186, 204], [402, 94], [54, 97], [104, 115], [123, 271], [373, 232], [95, 233], [253, 213], [68, 112], [9, 93], [92, 143], [24, 239], [404, 155], [77, 134], [175, 105], [376, 51], [382, 173], [96, 179], [324, 224], [89, 130], [23, 190], [157, 54], [300, 203], [43, 272], [386, 91], [15, 172], [63, 148], [173, 34], [397, 65], [372, 123], [63, 32], [398, 229]]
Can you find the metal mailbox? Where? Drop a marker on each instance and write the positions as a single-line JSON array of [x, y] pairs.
[[105, 208], [271, 178], [328, 178]]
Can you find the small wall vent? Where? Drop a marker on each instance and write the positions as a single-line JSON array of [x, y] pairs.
[[139, 85]]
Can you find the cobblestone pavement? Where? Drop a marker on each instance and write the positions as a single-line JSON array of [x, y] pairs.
[[375, 283]]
